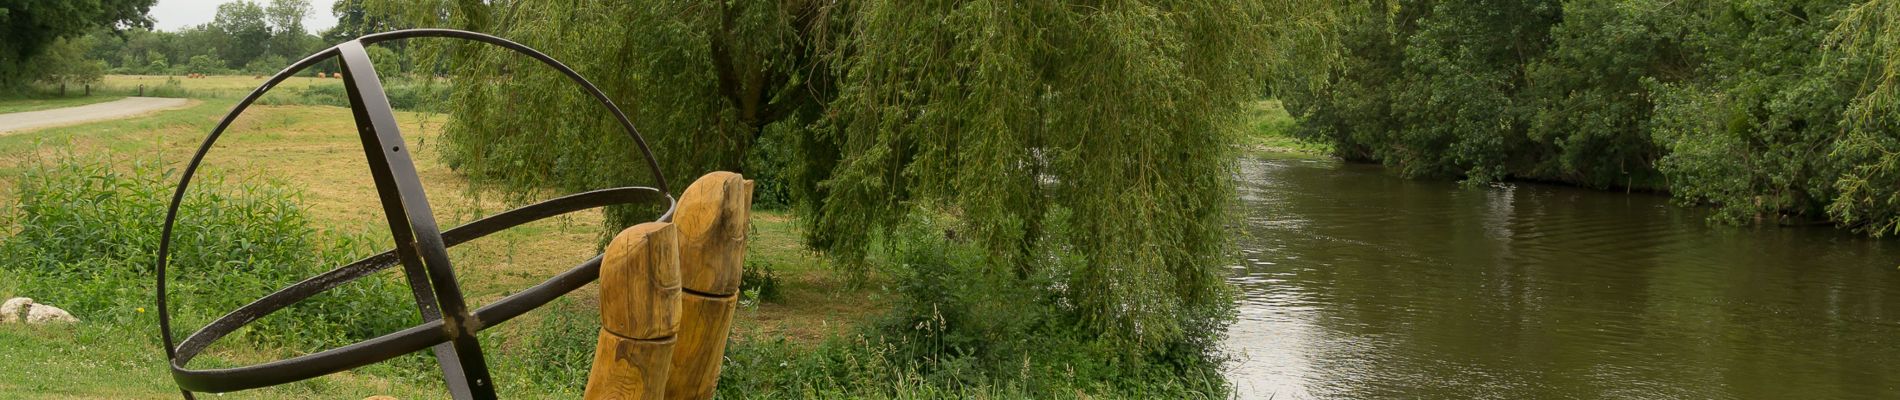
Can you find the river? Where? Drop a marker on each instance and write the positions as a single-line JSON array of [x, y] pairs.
[[1361, 285]]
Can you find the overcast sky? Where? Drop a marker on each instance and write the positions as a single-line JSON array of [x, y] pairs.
[[172, 15]]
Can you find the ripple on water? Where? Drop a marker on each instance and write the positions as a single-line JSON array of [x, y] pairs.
[[1357, 284]]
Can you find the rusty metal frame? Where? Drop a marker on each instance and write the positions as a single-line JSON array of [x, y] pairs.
[[449, 328]]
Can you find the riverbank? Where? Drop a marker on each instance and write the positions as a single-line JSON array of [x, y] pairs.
[[1269, 129], [1358, 283]]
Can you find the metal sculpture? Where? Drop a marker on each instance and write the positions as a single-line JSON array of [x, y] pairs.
[[449, 326]]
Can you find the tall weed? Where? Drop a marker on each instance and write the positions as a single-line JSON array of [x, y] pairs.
[[85, 236]]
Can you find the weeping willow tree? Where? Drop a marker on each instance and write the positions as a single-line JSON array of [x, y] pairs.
[[1869, 34], [1086, 142]]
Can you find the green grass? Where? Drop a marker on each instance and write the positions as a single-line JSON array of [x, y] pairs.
[[822, 336], [313, 149], [1270, 130], [50, 101]]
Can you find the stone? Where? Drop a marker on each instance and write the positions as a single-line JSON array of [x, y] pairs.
[[15, 309], [44, 314]]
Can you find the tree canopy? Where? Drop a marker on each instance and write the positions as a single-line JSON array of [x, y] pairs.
[[1081, 143], [28, 27], [1770, 111]]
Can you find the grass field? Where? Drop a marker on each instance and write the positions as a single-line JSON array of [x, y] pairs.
[[38, 102], [1271, 131], [314, 149], [114, 87]]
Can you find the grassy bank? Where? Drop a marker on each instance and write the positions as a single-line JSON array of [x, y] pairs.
[[1269, 129]]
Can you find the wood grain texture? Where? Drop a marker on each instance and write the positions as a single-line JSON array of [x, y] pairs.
[[701, 346], [640, 282], [629, 369], [714, 216], [640, 308]]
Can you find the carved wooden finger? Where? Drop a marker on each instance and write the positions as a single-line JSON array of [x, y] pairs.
[[713, 217], [639, 313]]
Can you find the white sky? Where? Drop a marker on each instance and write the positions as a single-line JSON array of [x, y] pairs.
[[172, 15]]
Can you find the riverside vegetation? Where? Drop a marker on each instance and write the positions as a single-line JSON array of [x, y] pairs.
[[1767, 111]]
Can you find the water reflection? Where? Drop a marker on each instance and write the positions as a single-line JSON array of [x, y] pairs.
[[1361, 285]]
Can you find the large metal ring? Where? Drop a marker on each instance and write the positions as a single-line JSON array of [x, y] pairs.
[[421, 248]]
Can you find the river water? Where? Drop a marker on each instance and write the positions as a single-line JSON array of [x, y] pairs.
[[1361, 285]]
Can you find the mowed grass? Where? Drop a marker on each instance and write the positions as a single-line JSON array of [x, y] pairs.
[[315, 150], [114, 87], [214, 86], [47, 101]]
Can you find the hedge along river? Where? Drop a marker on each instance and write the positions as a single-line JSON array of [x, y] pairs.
[[1361, 285]]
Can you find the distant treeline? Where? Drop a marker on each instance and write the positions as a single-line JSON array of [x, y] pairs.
[[245, 37], [1770, 111]]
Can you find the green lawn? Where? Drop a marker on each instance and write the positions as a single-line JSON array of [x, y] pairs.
[[314, 149], [36, 103]]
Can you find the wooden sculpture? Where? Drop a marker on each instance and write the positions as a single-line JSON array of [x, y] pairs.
[[668, 292]]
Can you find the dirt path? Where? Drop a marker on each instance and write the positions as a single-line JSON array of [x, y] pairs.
[[122, 108]]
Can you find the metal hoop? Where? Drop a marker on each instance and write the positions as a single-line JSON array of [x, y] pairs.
[[421, 248]]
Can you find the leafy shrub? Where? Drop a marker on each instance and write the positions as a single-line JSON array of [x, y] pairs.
[[86, 238], [760, 282], [171, 88], [960, 331], [403, 94]]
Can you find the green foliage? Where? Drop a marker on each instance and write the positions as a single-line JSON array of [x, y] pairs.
[[959, 331], [1868, 195], [1272, 129], [760, 282], [205, 64], [244, 36], [244, 29], [404, 94], [1008, 115], [266, 65], [28, 27], [1096, 136], [287, 35], [1775, 111], [64, 63], [87, 234], [701, 94]]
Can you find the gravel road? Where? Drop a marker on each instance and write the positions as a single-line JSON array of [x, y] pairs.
[[121, 108]]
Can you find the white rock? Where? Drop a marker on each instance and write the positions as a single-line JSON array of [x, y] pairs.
[[41, 314], [15, 309]]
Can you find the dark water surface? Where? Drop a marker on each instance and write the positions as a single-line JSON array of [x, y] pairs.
[[1361, 285]]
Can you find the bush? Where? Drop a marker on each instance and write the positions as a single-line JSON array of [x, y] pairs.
[[760, 282], [960, 331], [171, 88], [87, 236], [266, 65], [403, 94]]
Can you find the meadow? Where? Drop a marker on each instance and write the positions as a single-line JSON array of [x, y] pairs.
[[309, 155]]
